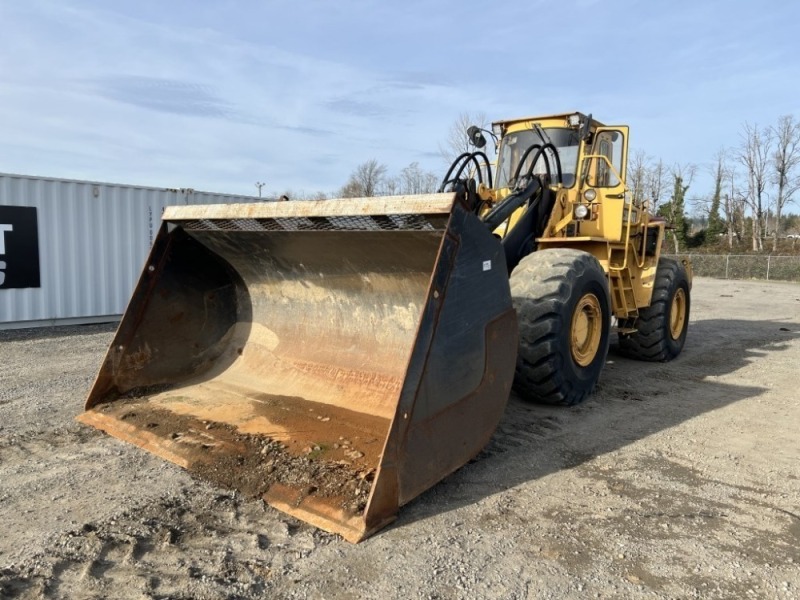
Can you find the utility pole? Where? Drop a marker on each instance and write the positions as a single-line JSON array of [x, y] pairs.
[[260, 185]]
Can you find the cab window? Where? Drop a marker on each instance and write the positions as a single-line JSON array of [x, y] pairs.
[[515, 144], [609, 144]]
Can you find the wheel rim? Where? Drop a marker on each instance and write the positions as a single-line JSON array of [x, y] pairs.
[[677, 314], [586, 329]]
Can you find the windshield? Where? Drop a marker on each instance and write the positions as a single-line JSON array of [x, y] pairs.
[[514, 145]]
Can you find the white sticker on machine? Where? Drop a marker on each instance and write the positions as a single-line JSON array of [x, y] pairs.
[[487, 265]]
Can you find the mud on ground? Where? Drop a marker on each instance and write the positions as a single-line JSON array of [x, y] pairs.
[[673, 481]]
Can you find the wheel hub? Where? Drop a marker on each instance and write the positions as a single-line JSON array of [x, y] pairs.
[[586, 330], [677, 314]]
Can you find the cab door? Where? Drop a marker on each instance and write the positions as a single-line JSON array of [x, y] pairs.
[[605, 169]]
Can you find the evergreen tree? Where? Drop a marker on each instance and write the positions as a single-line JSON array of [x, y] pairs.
[[674, 211], [715, 224]]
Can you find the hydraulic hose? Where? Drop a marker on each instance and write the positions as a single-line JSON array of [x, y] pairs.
[[540, 153], [461, 162]]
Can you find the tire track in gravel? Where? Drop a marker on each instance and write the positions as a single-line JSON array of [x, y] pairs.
[[215, 544], [522, 427]]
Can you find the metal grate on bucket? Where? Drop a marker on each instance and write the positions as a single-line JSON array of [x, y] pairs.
[[338, 223]]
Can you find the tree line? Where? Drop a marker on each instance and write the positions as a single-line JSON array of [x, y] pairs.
[[753, 183], [372, 178]]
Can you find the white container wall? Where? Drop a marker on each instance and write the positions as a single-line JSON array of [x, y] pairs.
[[92, 240]]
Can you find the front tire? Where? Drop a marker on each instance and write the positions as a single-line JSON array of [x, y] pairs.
[[662, 326], [563, 308]]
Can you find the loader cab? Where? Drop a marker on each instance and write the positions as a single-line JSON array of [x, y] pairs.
[[592, 200], [517, 140]]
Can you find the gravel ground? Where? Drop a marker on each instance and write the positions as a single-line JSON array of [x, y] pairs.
[[677, 480]]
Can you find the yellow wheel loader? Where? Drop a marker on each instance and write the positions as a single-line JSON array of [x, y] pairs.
[[337, 358]]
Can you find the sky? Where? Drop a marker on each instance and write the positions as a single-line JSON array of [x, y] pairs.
[[220, 95]]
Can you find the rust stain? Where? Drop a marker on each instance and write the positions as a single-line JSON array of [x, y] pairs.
[[377, 381], [138, 359]]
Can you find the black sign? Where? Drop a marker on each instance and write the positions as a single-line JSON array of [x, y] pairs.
[[19, 247]]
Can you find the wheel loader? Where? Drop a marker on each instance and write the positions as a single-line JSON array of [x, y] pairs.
[[337, 358]]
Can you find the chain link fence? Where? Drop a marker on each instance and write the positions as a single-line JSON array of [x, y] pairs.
[[744, 266]]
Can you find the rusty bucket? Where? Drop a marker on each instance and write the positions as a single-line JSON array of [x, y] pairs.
[[336, 358]]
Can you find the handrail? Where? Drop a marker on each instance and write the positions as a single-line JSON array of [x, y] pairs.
[[625, 190], [646, 224]]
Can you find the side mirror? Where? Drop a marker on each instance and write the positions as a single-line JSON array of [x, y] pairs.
[[476, 137], [585, 131]]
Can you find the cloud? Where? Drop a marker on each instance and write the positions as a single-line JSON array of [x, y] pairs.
[[198, 95], [164, 95], [356, 108], [312, 131], [418, 80]]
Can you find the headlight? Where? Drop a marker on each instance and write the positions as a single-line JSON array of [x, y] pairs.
[[590, 195], [574, 120], [581, 211]]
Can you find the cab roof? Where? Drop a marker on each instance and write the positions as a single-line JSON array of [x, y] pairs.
[[563, 116]]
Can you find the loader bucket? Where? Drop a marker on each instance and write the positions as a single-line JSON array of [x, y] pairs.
[[336, 358]]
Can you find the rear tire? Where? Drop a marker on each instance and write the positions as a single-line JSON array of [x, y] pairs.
[[662, 326], [562, 302]]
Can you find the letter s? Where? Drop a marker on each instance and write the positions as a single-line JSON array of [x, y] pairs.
[[2, 272]]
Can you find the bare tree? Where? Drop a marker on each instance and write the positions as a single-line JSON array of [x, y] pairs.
[[416, 181], [430, 182], [784, 164], [753, 154], [738, 203], [411, 178], [656, 176], [638, 174], [457, 141], [351, 189], [392, 186], [365, 181], [730, 206]]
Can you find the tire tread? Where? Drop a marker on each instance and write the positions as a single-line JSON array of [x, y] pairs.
[[541, 287]]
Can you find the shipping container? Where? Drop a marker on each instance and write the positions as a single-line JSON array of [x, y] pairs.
[[71, 251]]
